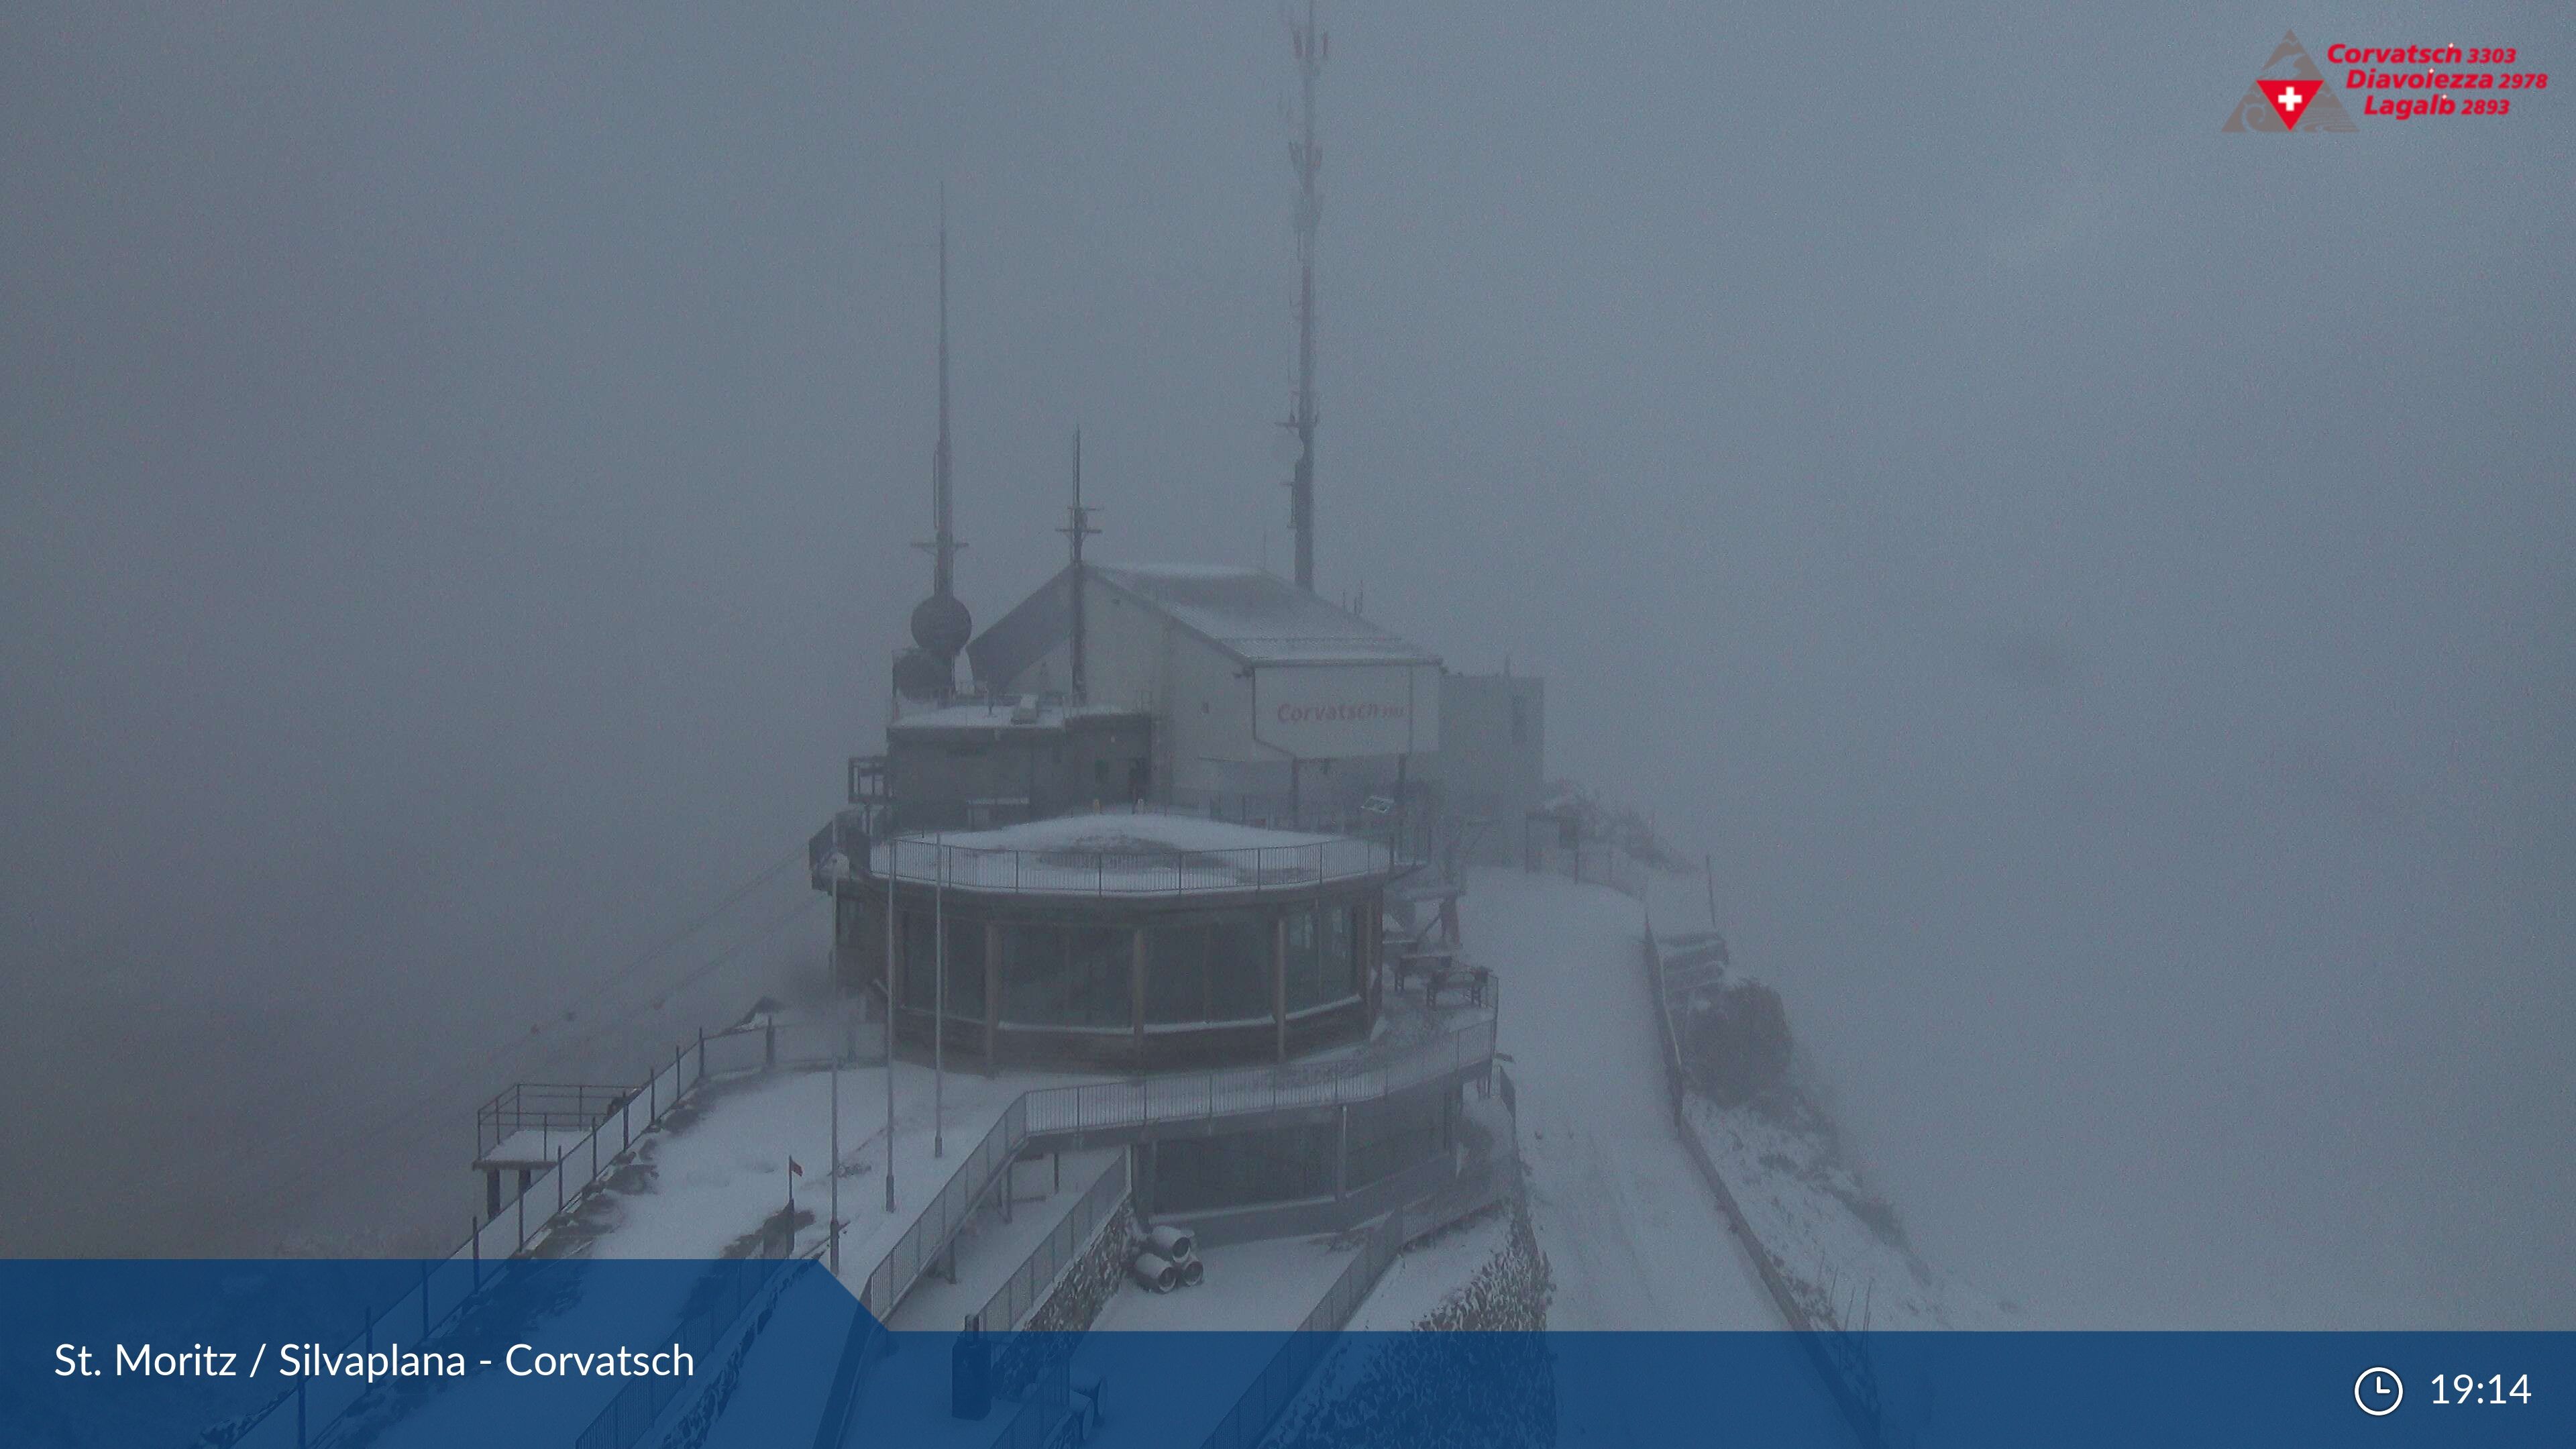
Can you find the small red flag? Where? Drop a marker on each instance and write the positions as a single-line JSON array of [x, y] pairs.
[[2290, 98], [795, 1167]]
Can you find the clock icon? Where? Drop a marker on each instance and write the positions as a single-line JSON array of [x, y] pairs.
[[2378, 1391]]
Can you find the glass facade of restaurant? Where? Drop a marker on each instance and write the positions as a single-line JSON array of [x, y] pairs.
[[1038, 982]]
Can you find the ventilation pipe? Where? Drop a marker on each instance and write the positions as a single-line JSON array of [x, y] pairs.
[[1155, 1273]]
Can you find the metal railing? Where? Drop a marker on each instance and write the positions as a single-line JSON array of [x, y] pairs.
[[1043, 1408], [922, 1243], [797, 1042], [1285, 1376], [1855, 1399], [1145, 870], [1594, 862], [1103, 1106], [544, 1108], [310, 1417], [1027, 1286], [637, 1406]]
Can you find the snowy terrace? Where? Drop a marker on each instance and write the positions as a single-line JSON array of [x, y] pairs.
[[1131, 854]]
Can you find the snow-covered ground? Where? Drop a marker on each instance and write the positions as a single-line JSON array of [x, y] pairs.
[[1422, 1278], [1634, 1237], [717, 1170], [1825, 1232], [1267, 1286]]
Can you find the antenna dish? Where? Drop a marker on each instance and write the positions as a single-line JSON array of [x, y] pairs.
[[941, 625]]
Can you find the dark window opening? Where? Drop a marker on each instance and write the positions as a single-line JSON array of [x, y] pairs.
[[1061, 976], [1282, 1165], [965, 964], [1390, 1136], [1212, 971]]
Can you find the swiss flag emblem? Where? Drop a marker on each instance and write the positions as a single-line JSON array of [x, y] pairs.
[[2290, 98]]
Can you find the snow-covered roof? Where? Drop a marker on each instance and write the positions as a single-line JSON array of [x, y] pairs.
[[1007, 713], [1260, 617], [1122, 832], [1116, 853], [1257, 617]]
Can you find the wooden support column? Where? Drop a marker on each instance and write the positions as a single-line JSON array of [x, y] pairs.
[[1366, 943], [1136, 993]]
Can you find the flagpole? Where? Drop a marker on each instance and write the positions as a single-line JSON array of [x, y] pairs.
[[832, 1170], [939, 1008], [894, 852]]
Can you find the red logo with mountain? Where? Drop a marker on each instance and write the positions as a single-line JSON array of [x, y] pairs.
[[2290, 99], [2290, 96]]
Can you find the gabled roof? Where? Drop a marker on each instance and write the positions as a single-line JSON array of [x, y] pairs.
[[1022, 637], [1256, 617]]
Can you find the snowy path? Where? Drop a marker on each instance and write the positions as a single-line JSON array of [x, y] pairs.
[[1630, 1230]]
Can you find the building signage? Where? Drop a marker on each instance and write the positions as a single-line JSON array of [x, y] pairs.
[[1339, 711]]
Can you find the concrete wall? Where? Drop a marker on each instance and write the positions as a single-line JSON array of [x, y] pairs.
[[1139, 658]]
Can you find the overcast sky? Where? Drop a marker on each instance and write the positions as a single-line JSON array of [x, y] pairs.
[[2100, 588]]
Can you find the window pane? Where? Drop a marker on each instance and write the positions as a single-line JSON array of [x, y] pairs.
[[1303, 961], [1066, 976], [1033, 975], [1176, 974], [1100, 962], [1238, 967], [1341, 970]]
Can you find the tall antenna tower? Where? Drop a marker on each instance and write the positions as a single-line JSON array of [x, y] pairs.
[[1311, 46], [1077, 527], [940, 624]]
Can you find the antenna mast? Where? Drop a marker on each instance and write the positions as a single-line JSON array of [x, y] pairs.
[[1077, 527], [1311, 46], [940, 624], [943, 548]]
